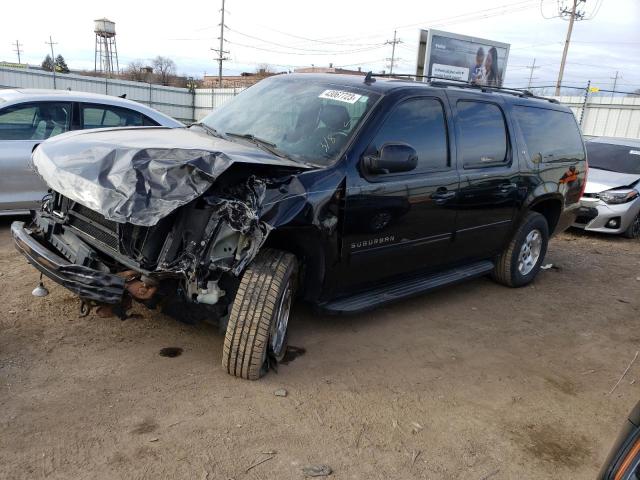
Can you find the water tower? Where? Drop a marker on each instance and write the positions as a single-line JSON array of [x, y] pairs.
[[106, 55]]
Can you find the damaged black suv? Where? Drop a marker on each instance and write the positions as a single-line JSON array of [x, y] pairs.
[[344, 191]]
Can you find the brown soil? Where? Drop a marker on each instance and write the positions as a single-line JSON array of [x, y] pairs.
[[476, 381]]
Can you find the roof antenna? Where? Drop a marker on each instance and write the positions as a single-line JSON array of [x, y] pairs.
[[368, 79], [124, 95]]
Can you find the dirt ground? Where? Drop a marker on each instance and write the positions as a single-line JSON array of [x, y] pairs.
[[476, 382]]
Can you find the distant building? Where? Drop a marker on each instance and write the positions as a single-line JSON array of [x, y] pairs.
[[245, 79], [329, 69]]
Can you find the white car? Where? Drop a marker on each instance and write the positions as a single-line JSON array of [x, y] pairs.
[[611, 202], [29, 117]]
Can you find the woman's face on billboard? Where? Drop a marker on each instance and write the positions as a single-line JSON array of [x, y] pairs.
[[488, 61]]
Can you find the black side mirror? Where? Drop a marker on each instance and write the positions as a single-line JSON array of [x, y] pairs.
[[392, 158]]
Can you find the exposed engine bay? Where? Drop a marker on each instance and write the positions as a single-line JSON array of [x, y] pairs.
[[171, 222], [186, 253]]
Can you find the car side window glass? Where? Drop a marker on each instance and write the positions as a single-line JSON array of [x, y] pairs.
[[102, 116], [420, 123], [34, 121], [482, 139], [550, 135], [147, 122]]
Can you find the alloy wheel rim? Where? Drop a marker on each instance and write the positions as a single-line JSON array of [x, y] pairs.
[[530, 252], [278, 332]]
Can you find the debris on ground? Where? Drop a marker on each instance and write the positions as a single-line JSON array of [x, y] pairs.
[[260, 462], [281, 392], [416, 427], [624, 373], [317, 471], [550, 266]]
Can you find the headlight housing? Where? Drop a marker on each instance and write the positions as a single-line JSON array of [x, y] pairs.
[[618, 196]]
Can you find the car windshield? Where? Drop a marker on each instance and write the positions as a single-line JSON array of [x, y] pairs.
[[615, 158], [303, 119]]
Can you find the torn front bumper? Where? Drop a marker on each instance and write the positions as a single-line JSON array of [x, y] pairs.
[[595, 214], [86, 282]]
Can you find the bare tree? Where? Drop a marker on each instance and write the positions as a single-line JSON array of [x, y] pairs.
[[264, 69], [165, 68], [137, 71]]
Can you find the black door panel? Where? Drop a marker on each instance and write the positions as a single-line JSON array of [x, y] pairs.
[[489, 176], [399, 223]]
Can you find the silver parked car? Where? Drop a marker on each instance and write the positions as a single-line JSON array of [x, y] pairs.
[[29, 117], [611, 202]]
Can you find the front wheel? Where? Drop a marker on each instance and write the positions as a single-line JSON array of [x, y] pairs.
[[634, 229], [260, 315], [519, 264]]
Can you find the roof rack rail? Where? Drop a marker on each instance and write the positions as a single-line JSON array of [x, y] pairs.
[[449, 82]]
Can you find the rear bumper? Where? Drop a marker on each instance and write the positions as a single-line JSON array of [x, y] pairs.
[[86, 282]]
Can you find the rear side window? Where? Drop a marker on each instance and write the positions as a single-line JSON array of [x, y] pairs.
[[550, 134], [418, 122], [34, 121], [482, 136], [101, 116]]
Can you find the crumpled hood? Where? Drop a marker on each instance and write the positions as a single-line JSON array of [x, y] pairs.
[[140, 175], [601, 180]]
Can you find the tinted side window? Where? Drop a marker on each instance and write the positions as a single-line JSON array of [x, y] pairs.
[[418, 122], [482, 132], [550, 133], [100, 116], [34, 121]]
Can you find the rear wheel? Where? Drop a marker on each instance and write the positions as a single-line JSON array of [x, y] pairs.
[[259, 315], [634, 229], [519, 264]]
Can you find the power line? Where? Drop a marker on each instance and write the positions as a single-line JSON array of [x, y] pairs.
[[312, 51], [344, 52]]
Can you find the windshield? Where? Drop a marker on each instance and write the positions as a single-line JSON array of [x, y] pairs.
[[305, 120], [615, 158]]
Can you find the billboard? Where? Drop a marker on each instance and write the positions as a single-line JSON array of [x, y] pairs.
[[460, 57]]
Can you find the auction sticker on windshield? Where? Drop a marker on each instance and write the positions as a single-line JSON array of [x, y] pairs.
[[340, 96]]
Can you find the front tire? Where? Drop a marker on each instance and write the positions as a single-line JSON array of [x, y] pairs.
[[260, 314], [519, 264], [634, 229]]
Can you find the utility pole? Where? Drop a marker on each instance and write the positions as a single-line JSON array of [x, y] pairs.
[[18, 51], [51, 43], [615, 82], [393, 44], [221, 51], [532, 68], [573, 14]]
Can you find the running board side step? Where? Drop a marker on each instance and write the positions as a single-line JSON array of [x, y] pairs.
[[413, 286]]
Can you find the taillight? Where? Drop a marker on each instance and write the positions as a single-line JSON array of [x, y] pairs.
[[630, 459], [586, 174]]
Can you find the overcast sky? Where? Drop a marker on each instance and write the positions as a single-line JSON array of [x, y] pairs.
[[287, 34]]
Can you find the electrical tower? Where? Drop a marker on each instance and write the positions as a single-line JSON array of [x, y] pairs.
[[574, 13], [393, 44], [18, 51], [221, 51], [105, 59]]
